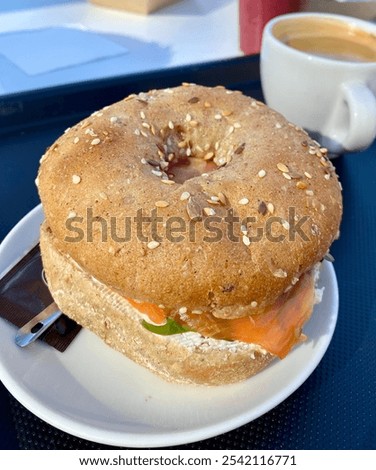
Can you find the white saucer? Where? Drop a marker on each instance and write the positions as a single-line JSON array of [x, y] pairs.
[[95, 393]]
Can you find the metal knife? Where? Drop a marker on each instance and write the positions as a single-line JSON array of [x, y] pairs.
[[37, 325]]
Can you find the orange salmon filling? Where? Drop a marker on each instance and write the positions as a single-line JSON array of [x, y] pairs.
[[277, 330]]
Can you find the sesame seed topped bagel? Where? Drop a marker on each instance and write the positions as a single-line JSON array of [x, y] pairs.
[[193, 198]]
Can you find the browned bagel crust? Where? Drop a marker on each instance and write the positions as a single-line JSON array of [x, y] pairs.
[[272, 164]]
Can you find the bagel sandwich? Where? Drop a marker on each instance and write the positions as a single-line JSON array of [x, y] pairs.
[[185, 227]]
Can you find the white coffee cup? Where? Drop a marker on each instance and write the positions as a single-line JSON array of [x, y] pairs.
[[326, 86]]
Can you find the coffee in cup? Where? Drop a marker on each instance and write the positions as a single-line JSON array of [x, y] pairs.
[[319, 70]]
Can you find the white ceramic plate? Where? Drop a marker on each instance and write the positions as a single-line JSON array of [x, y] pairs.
[[95, 393]]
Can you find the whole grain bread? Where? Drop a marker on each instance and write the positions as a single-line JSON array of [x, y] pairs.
[[269, 175], [182, 358]]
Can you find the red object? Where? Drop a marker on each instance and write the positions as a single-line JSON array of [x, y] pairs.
[[253, 16]]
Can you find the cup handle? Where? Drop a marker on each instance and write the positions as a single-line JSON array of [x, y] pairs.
[[352, 124]]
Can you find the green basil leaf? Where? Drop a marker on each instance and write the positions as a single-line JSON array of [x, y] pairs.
[[171, 327]]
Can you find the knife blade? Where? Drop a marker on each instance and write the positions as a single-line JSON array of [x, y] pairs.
[[29, 332]]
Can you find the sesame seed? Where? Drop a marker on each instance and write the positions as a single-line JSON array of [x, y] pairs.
[[261, 173], [76, 140], [240, 149], [184, 196], [327, 176], [153, 244], [312, 151], [142, 114], [324, 150], [152, 162], [254, 304], [237, 125], [188, 118], [227, 113], [287, 176], [76, 179], [285, 225], [209, 156], [218, 117], [144, 161], [167, 181], [221, 161], [231, 130], [308, 175], [301, 185], [197, 312], [157, 172], [278, 125], [170, 124], [214, 198], [144, 133], [189, 152], [194, 209], [67, 130], [113, 119], [329, 257], [91, 132], [309, 192], [145, 124], [95, 141], [103, 195], [243, 229], [137, 132], [270, 207], [209, 211], [282, 167], [262, 208], [280, 273], [244, 201], [36, 181], [210, 201], [130, 97], [294, 280], [194, 100], [162, 204], [71, 214], [183, 310], [222, 198], [246, 240], [216, 145]]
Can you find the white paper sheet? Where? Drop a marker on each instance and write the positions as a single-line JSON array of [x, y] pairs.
[[44, 50]]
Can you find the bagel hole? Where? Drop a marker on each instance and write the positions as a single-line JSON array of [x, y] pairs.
[[190, 167], [187, 161]]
